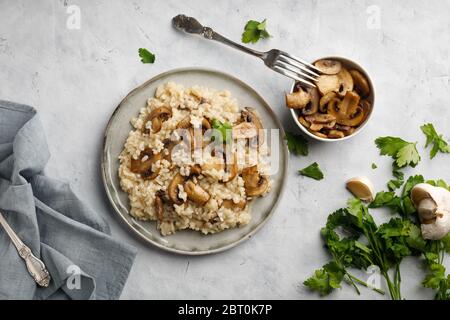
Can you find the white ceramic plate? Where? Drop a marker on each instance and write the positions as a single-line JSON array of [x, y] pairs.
[[188, 241]]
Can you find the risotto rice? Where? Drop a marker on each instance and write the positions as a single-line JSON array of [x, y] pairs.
[[179, 180]]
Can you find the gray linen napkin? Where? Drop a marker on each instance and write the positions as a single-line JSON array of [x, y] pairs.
[[84, 261]]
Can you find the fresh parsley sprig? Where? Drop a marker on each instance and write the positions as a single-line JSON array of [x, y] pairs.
[[297, 144], [255, 30], [312, 171], [146, 56], [403, 152], [439, 143]]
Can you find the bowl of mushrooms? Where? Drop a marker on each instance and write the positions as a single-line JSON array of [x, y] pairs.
[[340, 105]]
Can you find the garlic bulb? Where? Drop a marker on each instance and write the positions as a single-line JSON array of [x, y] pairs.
[[433, 206]]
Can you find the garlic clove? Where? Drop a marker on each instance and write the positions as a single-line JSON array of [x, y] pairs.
[[361, 187]]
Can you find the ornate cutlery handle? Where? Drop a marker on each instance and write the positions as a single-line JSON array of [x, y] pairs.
[[191, 25], [35, 267]]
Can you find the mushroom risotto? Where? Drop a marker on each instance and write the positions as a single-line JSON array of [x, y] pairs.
[[194, 160]]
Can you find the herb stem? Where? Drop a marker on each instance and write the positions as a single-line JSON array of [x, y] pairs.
[[366, 284]]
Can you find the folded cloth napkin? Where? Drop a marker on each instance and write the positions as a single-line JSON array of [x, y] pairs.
[[84, 261]]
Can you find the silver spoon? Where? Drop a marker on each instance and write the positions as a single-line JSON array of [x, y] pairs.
[[35, 266]]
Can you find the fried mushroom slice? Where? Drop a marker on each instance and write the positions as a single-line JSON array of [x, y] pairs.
[[231, 170], [361, 84], [250, 115], [173, 189], [143, 165], [320, 118], [159, 206], [196, 193], [347, 112], [184, 123], [328, 66], [328, 83], [157, 117], [298, 99], [230, 204], [254, 183], [313, 106], [244, 130], [335, 134], [303, 122], [345, 82], [319, 134], [323, 102]]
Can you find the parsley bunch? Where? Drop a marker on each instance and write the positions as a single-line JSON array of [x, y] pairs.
[[365, 244]]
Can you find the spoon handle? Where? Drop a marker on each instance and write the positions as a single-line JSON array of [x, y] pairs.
[[35, 266]]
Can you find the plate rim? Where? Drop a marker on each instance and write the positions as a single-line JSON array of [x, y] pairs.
[[132, 228]]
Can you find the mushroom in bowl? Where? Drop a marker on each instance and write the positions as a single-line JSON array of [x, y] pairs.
[[340, 104]]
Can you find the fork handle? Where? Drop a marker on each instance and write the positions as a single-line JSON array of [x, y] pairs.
[[191, 25]]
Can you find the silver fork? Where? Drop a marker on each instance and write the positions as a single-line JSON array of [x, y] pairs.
[[35, 266], [277, 60]]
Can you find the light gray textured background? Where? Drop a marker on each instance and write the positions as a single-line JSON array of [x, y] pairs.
[[75, 78]]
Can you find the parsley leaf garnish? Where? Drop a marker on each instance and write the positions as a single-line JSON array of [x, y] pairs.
[[224, 129], [297, 144], [374, 166], [312, 171], [146, 56], [254, 30], [439, 144], [403, 152]]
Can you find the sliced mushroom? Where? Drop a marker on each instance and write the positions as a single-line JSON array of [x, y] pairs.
[[156, 125], [157, 117], [196, 193], [159, 207], [195, 169], [313, 106], [361, 84], [168, 147], [323, 103], [254, 183], [355, 119], [335, 134], [328, 66], [320, 118], [366, 107], [347, 130], [250, 115], [184, 123], [303, 121], [349, 103], [231, 169], [345, 82], [316, 127], [319, 134], [206, 125], [347, 112], [298, 99], [328, 83], [244, 130], [230, 204], [143, 165], [173, 189]]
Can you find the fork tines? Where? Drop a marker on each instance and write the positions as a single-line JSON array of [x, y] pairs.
[[296, 68]]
